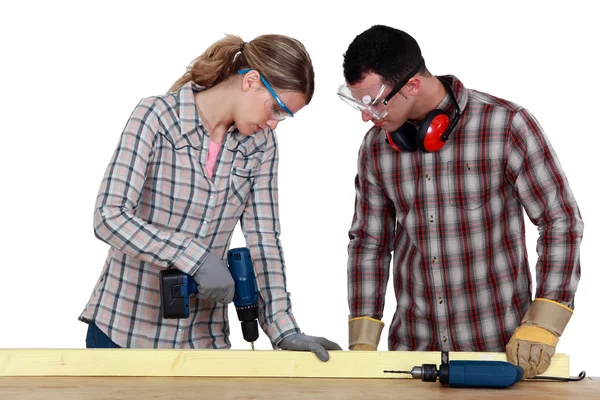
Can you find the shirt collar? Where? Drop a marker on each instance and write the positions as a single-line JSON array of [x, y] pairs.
[[188, 115], [248, 145], [460, 94]]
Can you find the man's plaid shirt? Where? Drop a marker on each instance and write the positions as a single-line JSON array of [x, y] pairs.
[[454, 221]]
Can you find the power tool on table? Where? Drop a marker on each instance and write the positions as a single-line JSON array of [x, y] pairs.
[[176, 287], [467, 374]]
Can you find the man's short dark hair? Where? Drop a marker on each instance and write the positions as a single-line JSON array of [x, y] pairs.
[[388, 52]]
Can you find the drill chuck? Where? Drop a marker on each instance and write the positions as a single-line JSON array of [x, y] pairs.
[[248, 316], [426, 373]]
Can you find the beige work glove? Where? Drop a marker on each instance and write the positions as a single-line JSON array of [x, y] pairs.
[[533, 344], [364, 333]]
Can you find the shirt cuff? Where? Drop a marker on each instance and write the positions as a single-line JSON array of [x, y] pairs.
[[190, 260], [283, 325]]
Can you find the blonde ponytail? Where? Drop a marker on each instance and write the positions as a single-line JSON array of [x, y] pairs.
[[281, 60], [214, 65]]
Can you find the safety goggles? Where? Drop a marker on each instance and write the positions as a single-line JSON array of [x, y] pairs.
[[274, 108], [371, 100], [368, 100]]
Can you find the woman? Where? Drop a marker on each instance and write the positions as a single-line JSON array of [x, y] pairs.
[[191, 164]]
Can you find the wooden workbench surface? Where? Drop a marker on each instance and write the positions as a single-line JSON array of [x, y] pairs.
[[183, 388]]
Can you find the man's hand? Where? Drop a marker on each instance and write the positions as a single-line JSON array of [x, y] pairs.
[[533, 344], [214, 281], [532, 348], [302, 342]]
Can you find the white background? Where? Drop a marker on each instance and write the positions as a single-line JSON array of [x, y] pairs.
[[72, 72]]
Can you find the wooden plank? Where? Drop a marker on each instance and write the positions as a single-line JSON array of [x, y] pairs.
[[229, 363]]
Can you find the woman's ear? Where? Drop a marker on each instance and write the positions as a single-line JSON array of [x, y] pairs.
[[250, 80]]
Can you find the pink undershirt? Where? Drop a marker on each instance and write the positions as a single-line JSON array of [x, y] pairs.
[[213, 152]]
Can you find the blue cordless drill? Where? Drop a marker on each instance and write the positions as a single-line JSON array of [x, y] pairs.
[[468, 374], [176, 287]]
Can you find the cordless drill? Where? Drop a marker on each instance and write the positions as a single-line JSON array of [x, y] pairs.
[[176, 287], [468, 374]]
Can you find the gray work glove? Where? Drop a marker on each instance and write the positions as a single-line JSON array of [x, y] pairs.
[[214, 281], [302, 342]]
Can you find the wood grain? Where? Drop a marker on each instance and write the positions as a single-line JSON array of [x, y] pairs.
[[229, 363], [90, 388]]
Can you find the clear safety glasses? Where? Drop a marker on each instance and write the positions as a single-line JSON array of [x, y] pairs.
[[371, 100]]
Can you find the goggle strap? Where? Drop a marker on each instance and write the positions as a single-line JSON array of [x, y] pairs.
[[401, 84]]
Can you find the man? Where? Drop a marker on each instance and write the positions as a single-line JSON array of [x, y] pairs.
[[443, 179]]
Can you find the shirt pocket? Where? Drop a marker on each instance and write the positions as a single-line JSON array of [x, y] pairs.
[[240, 183], [470, 183]]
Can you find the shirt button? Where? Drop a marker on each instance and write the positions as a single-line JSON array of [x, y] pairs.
[[428, 177], [211, 197], [434, 260], [179, 330], [444, 339], [205, 222], [440, 300], [431, 218]]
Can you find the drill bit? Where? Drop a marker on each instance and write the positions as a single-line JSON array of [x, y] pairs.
[[416, 372]]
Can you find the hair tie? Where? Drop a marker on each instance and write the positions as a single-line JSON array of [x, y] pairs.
[[242, 46]]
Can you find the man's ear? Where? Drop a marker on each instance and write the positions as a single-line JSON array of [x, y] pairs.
[[413, 85], [250, 80]]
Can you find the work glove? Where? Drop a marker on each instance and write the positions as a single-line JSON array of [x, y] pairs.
[[533, 344], [214, 281], [302, 342], [364, 333]]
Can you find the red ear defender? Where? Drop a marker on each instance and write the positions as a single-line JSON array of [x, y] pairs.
[[432, 130], [391, 141], [403, 139], [431, 135]]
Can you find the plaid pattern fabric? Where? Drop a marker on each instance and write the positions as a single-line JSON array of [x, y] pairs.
[[157, 209], [454, 222]]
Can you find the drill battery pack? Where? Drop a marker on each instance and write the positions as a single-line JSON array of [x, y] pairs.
[[176, 288]]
